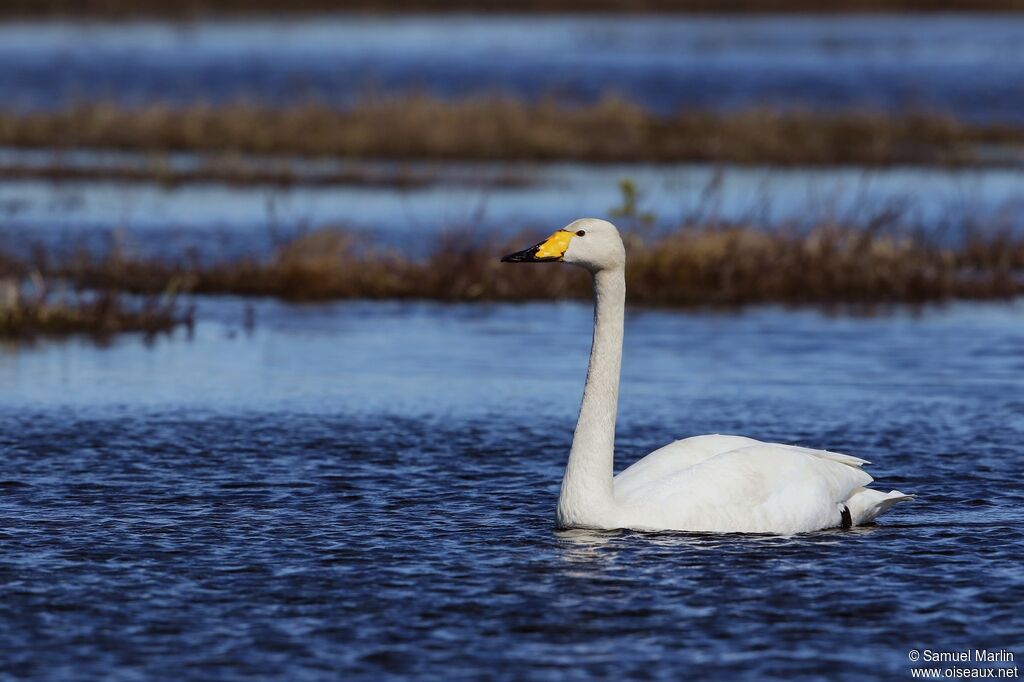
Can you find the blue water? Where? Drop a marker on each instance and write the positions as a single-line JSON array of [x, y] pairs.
[[366, 491], [970, 66], [223, 220]]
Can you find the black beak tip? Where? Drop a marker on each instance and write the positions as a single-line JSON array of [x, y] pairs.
[[525, 256]]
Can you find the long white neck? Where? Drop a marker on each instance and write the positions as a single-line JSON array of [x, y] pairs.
[[587, 498]]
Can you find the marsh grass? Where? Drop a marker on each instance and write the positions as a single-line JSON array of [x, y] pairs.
[[718, 265], [33, 306], [240, 170], [495, 128]]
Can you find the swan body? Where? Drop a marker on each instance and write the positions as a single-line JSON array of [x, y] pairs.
[[738, 484], [713, 483]]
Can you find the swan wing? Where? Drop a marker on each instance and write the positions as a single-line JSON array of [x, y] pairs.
[[758, 488], [687, 452], [676, 456], [849, 460]]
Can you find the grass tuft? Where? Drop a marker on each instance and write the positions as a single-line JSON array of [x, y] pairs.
[[30, 308]]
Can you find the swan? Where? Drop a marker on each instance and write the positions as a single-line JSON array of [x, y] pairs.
[[712, 483]]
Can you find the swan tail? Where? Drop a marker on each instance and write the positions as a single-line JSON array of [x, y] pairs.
[[866, 505]]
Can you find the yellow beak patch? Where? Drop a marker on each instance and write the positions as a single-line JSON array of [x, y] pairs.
[[555, 245]]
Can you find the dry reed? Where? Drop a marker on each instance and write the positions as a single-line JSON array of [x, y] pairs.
[[693, 266], [493, 128], [33, 306], [236, 170]]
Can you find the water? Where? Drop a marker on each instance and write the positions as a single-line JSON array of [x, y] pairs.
[[366, 491], [970, 66], [224, 220]]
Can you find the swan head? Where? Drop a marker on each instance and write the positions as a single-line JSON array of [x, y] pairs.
[[589, 243]]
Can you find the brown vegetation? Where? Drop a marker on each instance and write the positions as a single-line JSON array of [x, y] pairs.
[[696, 265], [232, 169], [192, 8], [29, 308], [501, 128]]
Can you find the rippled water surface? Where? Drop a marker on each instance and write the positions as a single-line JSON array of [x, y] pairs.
[[367, 490]]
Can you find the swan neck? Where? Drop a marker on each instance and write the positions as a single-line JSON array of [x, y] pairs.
[[586, 498]]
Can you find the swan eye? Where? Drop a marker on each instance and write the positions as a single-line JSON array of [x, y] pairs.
[[580, 233]]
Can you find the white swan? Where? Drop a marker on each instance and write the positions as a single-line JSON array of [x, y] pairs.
[[704, 483]]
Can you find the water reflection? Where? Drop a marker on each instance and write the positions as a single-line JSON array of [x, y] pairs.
[[603, 548]]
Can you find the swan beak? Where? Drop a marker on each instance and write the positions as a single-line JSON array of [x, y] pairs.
[[551, 249]]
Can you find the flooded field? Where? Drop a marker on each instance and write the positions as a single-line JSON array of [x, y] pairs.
[[959, 64], [965, 65]]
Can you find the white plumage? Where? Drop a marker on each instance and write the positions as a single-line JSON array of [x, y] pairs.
[[709, 483], [734, 483]]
